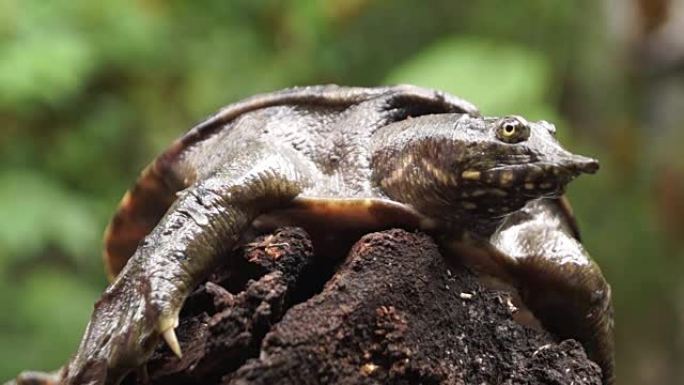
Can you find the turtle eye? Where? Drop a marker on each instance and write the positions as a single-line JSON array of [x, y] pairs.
[[512, 129]]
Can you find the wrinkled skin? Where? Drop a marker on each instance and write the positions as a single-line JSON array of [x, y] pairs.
[[361, 158]]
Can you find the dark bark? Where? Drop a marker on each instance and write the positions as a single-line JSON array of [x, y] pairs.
[[395, 311]]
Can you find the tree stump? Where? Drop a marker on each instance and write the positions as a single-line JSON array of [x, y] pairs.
[[393, 312]]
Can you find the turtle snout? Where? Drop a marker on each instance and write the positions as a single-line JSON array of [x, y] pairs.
[[577, 164], [550, 177]]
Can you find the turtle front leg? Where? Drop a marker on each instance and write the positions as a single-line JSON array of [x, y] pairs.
[[557, 278], [537, 253], [144, 301]]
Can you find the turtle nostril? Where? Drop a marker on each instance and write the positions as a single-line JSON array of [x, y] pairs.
[[591, 167], [587, 165], [578, 164]]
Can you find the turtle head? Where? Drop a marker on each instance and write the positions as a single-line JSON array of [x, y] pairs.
[[473, 169], [508, 161]]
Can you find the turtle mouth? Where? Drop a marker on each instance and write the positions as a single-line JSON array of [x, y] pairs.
[[538, 178], [569, 163], [567, 170], [515, 159], [564, 171]]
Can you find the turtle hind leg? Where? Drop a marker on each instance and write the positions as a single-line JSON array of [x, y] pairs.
[[143, 303]]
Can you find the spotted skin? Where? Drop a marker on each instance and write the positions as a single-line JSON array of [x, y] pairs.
[[321, 157], [460, 162]]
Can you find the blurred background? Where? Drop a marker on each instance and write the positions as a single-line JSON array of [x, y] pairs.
[[90, 91]]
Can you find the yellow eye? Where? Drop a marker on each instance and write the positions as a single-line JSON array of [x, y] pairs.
[[512, 129], [508, 129]]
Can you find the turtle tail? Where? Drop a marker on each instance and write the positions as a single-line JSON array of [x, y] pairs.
[[138, 213]]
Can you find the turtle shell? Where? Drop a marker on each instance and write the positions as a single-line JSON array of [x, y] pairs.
[[145, 203]]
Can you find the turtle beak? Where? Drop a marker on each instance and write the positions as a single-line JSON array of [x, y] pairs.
[[565, 167]]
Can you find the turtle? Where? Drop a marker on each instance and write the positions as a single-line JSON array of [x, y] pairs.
[[332, 158]]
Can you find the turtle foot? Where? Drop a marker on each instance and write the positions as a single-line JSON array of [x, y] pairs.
[[125, 327]]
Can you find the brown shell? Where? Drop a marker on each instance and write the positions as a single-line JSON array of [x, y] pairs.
[[147, 201]]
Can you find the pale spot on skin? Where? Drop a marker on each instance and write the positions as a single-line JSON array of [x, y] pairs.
[[469, 205], [399, 174], [529, 186], [506, 178], [478, 193], [437, 172], [498, 192], [545, 185], [396, 176], [470, 175]]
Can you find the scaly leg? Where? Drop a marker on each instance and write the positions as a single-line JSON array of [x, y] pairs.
[[558, 280], [535, 253], [143, 303]]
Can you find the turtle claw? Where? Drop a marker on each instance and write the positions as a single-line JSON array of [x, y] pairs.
[[167, 326], [171, 340]]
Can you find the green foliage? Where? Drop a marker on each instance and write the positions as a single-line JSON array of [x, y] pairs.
[[47, 320], [46, 229], [49, 48], [43, 215]]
